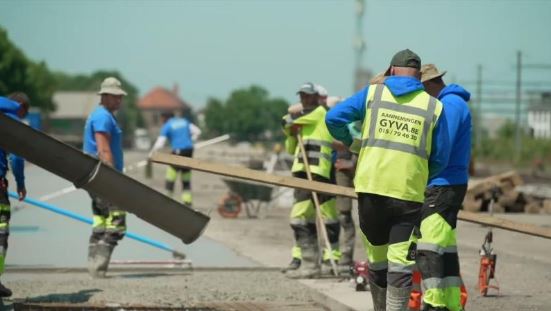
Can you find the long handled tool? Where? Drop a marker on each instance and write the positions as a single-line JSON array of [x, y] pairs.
[[319, 219], [75, 216]]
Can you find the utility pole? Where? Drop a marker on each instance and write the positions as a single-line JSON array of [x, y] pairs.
[[478, 121], [518, 142], [359, 43]]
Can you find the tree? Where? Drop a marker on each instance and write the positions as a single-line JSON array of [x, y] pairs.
[[17, 73], [248, 114]]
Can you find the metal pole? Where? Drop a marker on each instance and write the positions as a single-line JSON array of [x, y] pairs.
[[359, 44], [518, 142], [478, 128]]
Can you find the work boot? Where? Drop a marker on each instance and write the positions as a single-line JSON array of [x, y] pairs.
[[293, 265], [327, 269], [104, 254], [4, 291], [99, 255], [378, 294], [397, 298], [310, 266], [348, 239]]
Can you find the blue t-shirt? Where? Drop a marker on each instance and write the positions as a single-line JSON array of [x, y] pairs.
[[103, 121], [177, 131]]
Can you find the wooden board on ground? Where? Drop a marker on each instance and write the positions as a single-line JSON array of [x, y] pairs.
[[293, 182]]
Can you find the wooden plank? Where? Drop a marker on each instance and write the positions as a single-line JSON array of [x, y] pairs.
[[496, 222], [299, 183], [252, 175]]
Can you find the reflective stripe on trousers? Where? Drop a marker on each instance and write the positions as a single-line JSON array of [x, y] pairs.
[[437, 257]]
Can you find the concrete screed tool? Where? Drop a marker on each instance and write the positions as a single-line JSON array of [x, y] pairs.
[[90, 174]]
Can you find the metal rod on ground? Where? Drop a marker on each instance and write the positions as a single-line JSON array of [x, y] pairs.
[[320, 225], [298, 183], [83, 219]]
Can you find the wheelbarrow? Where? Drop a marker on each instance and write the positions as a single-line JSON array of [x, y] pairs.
[[244, 195]]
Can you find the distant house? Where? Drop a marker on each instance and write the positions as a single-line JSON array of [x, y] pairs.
[[539, 116], [160, 100], [67, 122]]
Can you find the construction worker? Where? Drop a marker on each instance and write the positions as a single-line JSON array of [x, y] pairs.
[[437, 258], [342, 174], [103, 139], [309, 123], [181, 133], [404, 142], [16, 106]]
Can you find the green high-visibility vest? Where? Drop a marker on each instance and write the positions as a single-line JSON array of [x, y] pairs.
[[396, 143], [317, 142]]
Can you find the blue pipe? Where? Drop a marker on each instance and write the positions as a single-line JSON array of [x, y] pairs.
[[81, 218]]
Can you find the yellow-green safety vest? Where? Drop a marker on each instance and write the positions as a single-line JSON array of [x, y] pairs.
[[317, 142], [396, 143]]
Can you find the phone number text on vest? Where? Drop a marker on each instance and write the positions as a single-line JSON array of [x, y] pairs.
[[402, 127]]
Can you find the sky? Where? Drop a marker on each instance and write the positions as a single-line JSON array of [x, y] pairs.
[[210, 48]]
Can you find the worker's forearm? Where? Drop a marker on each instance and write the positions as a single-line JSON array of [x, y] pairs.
[[106, 156], [18, 167]]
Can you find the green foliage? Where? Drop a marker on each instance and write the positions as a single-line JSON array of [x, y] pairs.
[[249, 114], [17, 73], [502, 148]]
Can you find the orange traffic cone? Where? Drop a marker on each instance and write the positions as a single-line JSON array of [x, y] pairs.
[[416, 294]]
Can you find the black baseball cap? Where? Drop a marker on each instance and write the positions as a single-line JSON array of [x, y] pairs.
[[404, 58]]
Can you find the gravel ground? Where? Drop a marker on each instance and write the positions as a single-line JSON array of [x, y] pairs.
[[161, 288]]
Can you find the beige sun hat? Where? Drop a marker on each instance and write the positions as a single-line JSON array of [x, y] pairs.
[[429, 72], [111, 86]]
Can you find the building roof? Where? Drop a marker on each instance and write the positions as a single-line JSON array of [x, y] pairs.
[[74, 104], [160, 98]]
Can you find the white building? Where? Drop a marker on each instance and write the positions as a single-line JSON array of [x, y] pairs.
[[539, 117]]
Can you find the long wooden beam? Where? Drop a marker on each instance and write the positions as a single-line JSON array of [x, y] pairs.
[[299, 183]]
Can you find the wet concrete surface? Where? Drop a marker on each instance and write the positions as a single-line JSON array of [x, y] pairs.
[[42, 238]]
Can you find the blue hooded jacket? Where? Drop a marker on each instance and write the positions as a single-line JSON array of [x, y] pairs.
[[455, 98], [10, 107], [353, 109]]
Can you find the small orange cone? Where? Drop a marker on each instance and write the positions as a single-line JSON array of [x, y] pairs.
[[416, 294]]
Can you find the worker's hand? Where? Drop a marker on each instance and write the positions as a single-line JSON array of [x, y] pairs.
[[295, 109], [339, 146], [344, 165], [22, 193], [3, 184], [295, 129]]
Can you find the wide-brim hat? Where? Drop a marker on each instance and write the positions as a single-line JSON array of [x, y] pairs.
[[429, 72], [111, 86]]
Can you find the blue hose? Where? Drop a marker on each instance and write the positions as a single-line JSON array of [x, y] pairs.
[[81, 218]]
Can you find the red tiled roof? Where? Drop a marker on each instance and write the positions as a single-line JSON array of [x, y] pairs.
[[160, 98]]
